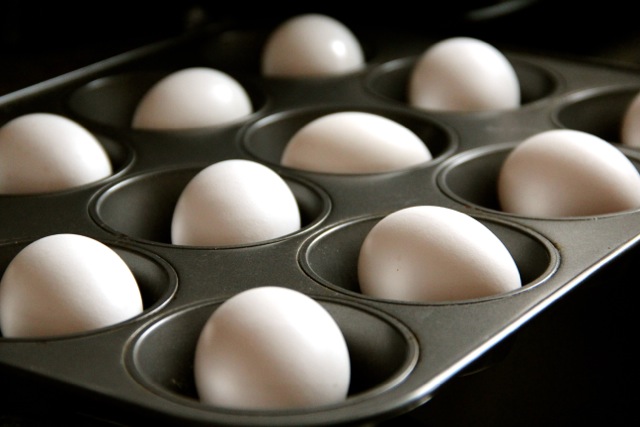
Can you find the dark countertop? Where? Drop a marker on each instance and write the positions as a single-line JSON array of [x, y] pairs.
[[569, 365]]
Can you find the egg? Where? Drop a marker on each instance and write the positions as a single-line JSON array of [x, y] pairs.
[[271, 348], [430, 253], [311, 45], [44, 152], [353, 142], [64, 284], [630, 126], [192, 98], [234, 202], [463, 74], [563, 173]]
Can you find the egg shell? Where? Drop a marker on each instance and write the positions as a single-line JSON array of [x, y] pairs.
[[64, 284], [463, 74], [234, 202], [44, 152], [564, 173], [192, 98], [433, 254], [311, 45], [353, 142], [630, 126], [271, 348]]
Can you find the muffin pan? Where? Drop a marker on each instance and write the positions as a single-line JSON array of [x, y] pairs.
[[401, 352]]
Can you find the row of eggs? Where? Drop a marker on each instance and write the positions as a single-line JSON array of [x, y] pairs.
[[45, 290], [317, 45], [542, 177]]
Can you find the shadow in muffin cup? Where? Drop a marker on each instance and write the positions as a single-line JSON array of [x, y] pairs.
[[141, 207], [599, 112]]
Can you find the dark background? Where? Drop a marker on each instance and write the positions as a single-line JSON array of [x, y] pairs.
[[570, 365], [42, 40]]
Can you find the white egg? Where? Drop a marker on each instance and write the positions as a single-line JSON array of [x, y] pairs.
[[353, 142], [630, 128], [271, 348], [43, 152], [63, 284], [311, 45], [463, 74], [563, 172], [192, 98], [234, 202], [431, 254]]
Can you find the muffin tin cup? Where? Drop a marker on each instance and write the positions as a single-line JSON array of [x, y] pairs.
[[383, 354], [141, 207], [402, 352], [156, 280]]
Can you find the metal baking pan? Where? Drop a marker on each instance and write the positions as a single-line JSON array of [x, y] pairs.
[[401, 352]]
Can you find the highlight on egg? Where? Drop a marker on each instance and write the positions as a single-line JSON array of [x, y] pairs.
[[271, 348], [45, 152], [430, 253], [463, 74], [311, 45], [65, 284], [564, 173], [192, 98], [354, 142], [234, 202]]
